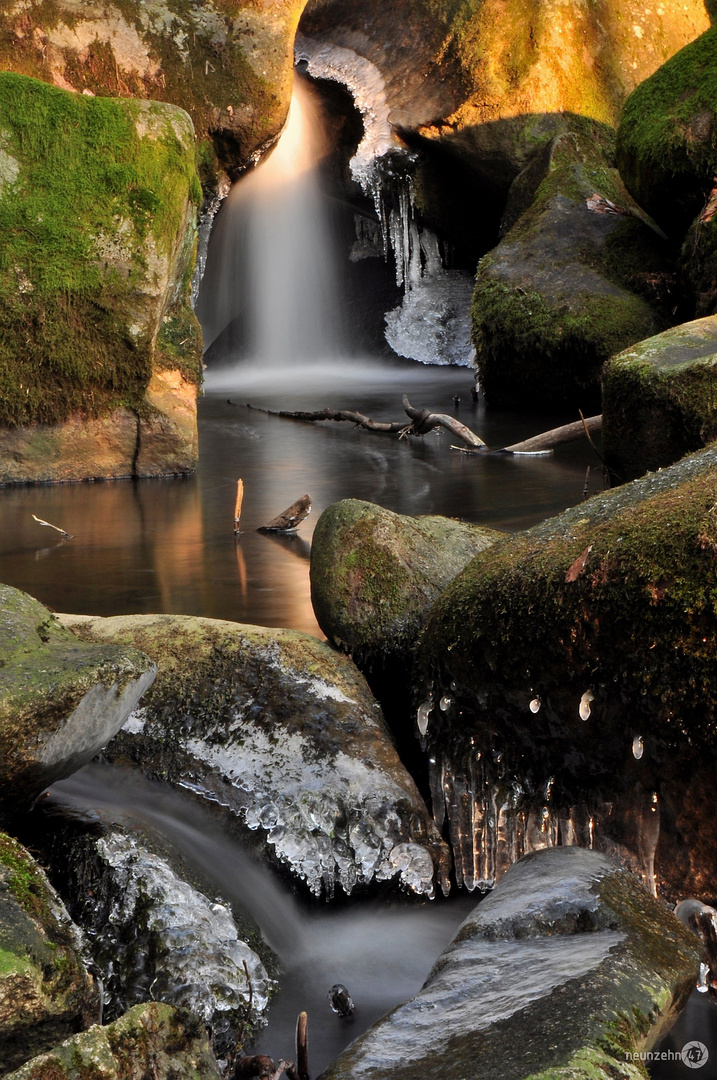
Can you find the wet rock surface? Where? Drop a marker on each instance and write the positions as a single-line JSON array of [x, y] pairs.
[[575, 663], [659, 399], [150, 1040], [374, 574], [46, 992], [578, 276], [614, 968], [61, 699], [283, 734]]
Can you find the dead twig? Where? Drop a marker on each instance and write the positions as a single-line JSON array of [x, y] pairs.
[[49, 525], [237, 505], [587, 432]]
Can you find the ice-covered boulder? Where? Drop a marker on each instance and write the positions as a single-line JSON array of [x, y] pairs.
[[285, 734]]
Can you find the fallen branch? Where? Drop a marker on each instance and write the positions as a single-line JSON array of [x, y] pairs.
[[543, 444], [337, 414], [291, 518], [68, 536], [547, 440], [424, 421]]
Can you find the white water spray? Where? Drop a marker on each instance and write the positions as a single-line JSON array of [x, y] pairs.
[[275, 268]]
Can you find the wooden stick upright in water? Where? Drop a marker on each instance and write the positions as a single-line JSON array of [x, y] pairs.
[[302, 1046], [237, 504]]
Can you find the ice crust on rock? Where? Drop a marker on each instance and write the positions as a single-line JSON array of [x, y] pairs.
[[198, 957]]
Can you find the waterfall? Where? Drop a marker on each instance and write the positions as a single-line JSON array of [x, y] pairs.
[[271, 276]]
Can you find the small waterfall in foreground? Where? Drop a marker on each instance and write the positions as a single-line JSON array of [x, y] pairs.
[[269, 296]]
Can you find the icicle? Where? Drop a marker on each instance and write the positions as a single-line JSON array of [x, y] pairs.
[[638, 747], [445, 703], [424, 711], [535, 705], [703, 985], [585, 700]]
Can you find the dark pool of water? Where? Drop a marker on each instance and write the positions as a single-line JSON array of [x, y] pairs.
[[167, 545]]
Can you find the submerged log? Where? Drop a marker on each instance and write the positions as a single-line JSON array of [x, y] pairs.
[[547, 440], [290, 518]]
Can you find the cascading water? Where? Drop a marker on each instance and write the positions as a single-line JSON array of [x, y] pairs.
[[270, 282]]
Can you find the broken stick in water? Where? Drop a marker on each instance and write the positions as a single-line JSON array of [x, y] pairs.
[[237, 504], [302, 1046], [291, 518], [68, 536], [424, 421]]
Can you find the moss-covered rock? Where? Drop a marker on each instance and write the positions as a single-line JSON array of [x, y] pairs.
[[572, 282], [150, 1040], [578, 661], [667, 139], [660, 399], [374, 575], [613, 968], [97, 227], [227, 62], [61, 700], [46, 993], [276, 727]]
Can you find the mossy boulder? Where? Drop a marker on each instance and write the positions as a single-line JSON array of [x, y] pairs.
[[227, 62], [46, 993], [660, 399], [578, 666], [150, 1040], [98, 203], [667, 139], [284, 733], [61, 699], [577, 277], [698, 260], [375, 574], [567, 970]]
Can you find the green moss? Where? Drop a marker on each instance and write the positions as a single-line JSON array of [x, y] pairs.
[[85, 178], [531, 350], [667, 139], [640, 621]]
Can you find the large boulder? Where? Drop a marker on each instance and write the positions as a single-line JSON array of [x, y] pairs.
[[100, 356], [575, 666], [660, 399], [375, 574], [61, 699], [567, 970], [667, 139], [149, 1041], [485, 84], [572, 282], [284, 733], [46, 992], [227, 62]]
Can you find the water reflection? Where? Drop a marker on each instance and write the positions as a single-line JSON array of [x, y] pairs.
[[169, 546]]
